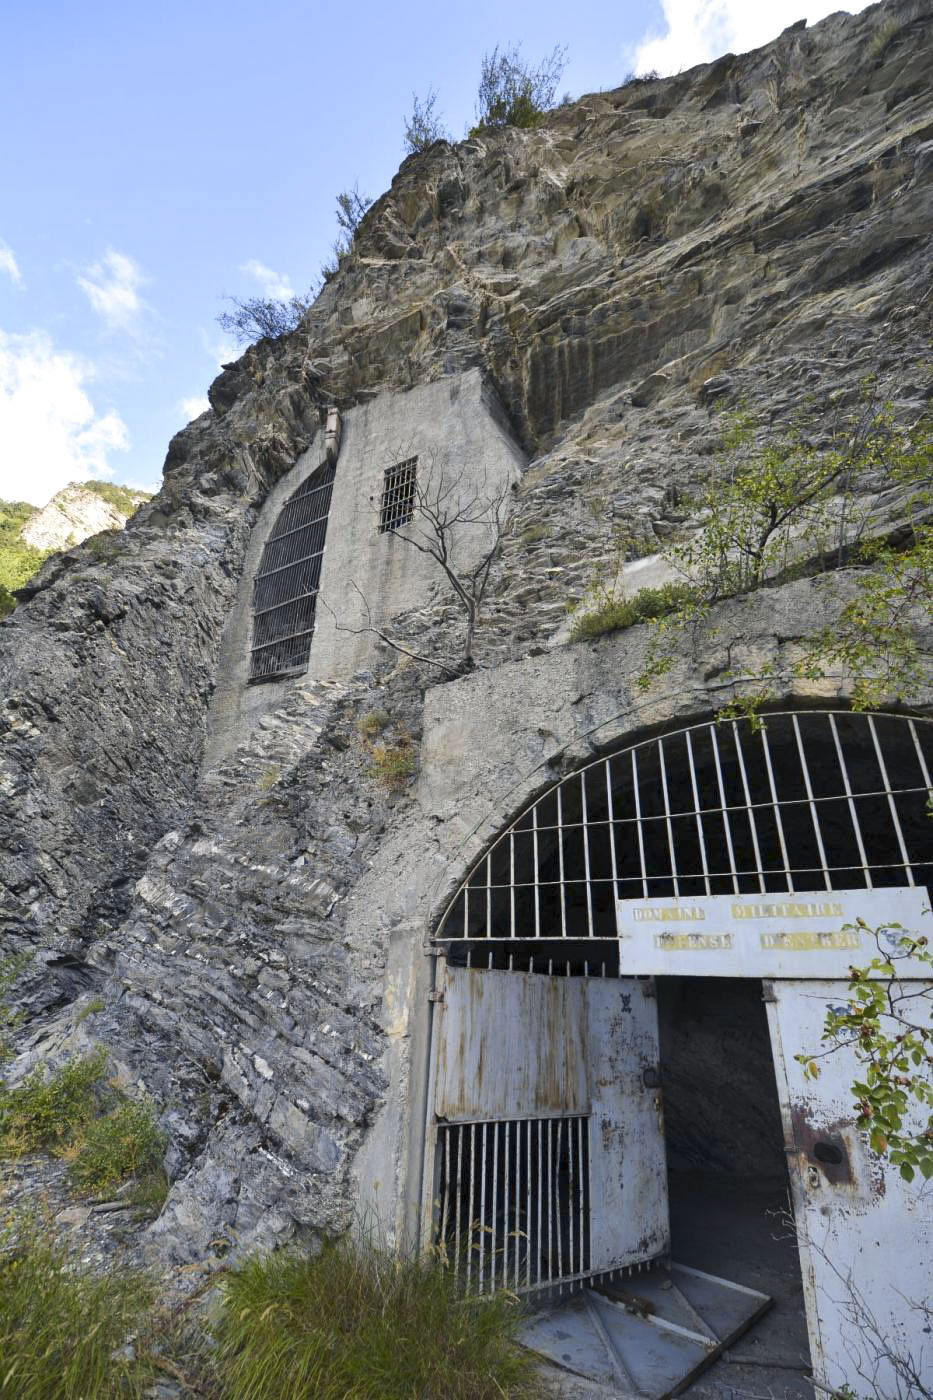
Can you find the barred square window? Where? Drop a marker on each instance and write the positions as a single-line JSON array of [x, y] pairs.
[[398, 495]]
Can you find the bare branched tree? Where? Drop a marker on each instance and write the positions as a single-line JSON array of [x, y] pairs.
[[252, 318], [457, 519], [887, 1356]]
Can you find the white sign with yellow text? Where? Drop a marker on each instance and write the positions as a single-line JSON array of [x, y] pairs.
[[812, 934]]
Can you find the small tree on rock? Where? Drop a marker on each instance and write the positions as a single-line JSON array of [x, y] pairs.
[[512, 93], [424, 126]]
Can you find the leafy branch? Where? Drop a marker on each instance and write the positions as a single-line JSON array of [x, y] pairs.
[[887, 1023], [795, 507]]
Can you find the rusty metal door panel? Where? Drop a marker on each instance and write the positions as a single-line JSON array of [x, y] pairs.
[[628, 1171], [516, 1046], [865, 1234], [511, 1045]]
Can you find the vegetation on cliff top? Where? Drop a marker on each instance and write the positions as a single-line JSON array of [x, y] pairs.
[[19, 560]]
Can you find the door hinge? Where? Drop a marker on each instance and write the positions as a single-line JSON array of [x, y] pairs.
[[436, 996], [767, 991]]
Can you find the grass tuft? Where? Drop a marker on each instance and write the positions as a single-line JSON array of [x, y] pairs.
[[64, 1331], [609, 613], [355, 1324], [373, 723], [392, 764]]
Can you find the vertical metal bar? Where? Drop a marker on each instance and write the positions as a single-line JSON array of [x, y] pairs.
[[466, 917], [505, 1205], [581, 1195], [610, 812], [811, 803], [667, 817], [696, 806], [638, 827], [586, 855], [492, 1209], [753, 826], [445, 1194], [540, 1185], [573, 1178], [528, 1204], [534, 839], [470, 1220], [920, 758], [458, 1197], [775, 804], [549, 1200], [489, 894], [511, 884], [887, 787], [481, 1266], [727, 829], [560, 860], [517, 1225], [853, 814], [557, 1209]]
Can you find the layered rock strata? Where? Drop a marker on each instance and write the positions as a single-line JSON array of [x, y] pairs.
[[756, 230]]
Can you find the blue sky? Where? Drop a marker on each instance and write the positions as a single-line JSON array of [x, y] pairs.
[[165, 155]]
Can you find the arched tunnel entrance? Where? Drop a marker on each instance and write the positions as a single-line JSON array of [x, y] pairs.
[[619, 1129]]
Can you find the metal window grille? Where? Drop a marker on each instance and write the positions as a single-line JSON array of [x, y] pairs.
[[811, 800], [513, 1202], [398, 495], [286, 587]]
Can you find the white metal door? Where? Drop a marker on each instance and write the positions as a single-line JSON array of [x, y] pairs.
[[549, 1135], [864, 1233]]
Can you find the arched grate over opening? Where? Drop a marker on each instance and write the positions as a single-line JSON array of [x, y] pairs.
[[286, 587], [809, 801]]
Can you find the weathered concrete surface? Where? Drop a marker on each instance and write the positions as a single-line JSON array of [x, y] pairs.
[[457, 430], [755, 228]]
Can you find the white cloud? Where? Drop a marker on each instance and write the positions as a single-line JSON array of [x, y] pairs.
[[112, 286], [9, 265], [700, 30], [193, 407], [273, 284], [50, 431], [221, 350]]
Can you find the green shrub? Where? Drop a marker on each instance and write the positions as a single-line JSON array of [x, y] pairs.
[[355, 1324], [611, 613], [63, 1331], [511, 93], [75, 1113], [48, 1113], [18, 560], [125, 1142], [424, 126]]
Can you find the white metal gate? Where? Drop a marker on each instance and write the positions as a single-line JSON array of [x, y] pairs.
[[549, 1148], [705, 827]]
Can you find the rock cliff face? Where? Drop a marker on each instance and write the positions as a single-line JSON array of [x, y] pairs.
[[755, 230], [74, 514]]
